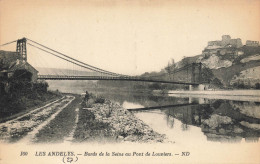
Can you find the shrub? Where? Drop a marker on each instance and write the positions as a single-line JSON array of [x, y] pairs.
[[155, 86], [100, 100], [257, 86], [41, 86]]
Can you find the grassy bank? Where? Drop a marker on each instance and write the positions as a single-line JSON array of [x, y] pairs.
[[91, 130], [16, 129], [11, 108]]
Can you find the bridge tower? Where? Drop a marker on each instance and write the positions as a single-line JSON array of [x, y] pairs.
[[200, 67], [193, 72], [200, 86], [193, 66], [21, 49]]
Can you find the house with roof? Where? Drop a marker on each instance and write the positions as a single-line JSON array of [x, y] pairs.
[[12, 66]]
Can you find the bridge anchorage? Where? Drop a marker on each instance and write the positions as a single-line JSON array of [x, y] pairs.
[[189, 74]]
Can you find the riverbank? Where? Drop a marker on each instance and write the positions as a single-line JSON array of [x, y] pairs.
[[27, 125], [11, 108], [107, 121], [238, 95]]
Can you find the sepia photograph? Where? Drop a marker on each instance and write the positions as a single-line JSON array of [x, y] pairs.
[[129, 81]]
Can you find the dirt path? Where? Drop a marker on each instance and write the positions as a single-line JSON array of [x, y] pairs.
[[30, 137], [62, 127], [70, 138]]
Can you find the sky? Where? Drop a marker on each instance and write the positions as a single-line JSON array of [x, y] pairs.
[[128, 36]]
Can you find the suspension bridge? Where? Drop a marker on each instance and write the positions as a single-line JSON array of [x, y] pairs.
[[189, 74]]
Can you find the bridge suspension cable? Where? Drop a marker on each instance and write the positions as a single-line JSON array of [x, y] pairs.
[[87, 65], [208, 70], [8, 43], [68, 60], [113, 76], [180, 69], [172, 72]]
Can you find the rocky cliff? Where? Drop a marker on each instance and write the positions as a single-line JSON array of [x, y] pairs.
[[234, 67]]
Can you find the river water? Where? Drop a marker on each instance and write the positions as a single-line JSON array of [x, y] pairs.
[[201, 120], [206, 127]]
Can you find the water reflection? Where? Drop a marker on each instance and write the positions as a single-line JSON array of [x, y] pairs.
[[222, 121], [208, 120], [218, 120]]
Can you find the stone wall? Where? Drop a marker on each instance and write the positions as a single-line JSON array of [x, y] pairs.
[[235, 43], [226, 41], [252, 43], [214, 43], [33, 71]]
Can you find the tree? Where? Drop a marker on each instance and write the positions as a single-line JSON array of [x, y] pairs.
[[216, 82], [41, 86], [241, 85], [155, 86], [171, 66]]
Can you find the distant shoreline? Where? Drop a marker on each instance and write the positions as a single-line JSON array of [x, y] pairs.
[[238, 95]]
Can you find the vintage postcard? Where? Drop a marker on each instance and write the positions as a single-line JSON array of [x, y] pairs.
[[129, 81]]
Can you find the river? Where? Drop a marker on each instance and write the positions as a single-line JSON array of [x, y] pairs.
[[223, 121], [207, 126], [206, 120]]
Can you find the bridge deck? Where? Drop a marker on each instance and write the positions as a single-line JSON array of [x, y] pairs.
[[119, 78]]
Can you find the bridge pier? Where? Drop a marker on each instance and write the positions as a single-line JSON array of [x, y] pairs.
[[200, 87], [198, 100]]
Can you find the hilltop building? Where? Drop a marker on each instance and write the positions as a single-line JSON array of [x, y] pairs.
[[228, 42], [11, 62], [227, 47], [252, 43], [225, 42]]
